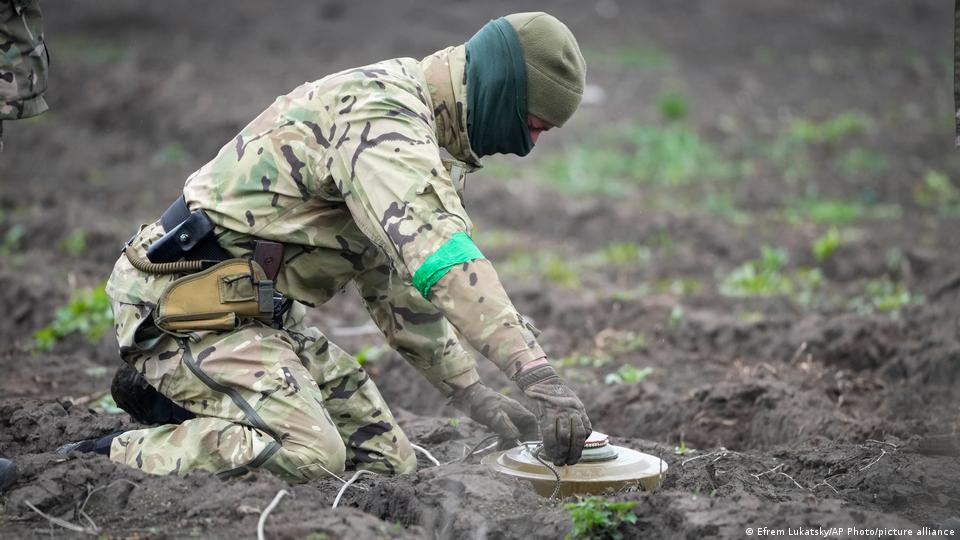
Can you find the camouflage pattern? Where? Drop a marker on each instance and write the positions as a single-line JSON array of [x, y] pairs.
[[23, 60], [350, 173], [284, 399]]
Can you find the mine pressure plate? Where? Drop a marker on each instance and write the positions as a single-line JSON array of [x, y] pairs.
[[602, 466]]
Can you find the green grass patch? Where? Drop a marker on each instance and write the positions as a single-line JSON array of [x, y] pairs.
[[620, 254], [10, 243], [830, 131], [628, 374], [596, 518], [837, 212], [171, 154], [75, 244], [672, 105], [88, 313], [671, 155], [860, 162], [937, 192], [529, 264], [676, 316], [824, 247], [768, 276], [884, 295]]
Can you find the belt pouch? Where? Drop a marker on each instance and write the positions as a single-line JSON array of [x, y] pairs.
[[215, 298]]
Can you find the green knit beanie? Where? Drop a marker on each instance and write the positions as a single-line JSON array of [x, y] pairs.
[[556, 72]]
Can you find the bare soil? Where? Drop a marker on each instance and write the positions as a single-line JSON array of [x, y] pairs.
[[796, 415]]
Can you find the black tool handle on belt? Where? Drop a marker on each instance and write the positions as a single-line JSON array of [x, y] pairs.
[[189, 236]]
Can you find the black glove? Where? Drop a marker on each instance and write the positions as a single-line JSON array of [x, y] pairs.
[[504, 416], [564, 425]]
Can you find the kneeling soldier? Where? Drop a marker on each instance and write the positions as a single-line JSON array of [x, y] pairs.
[[354, 177]]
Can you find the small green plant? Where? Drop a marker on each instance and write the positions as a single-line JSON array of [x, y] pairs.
[[75, 243], [824, 247], [669, 155], [629, 343], [936, 191], [761, 277], [859, 162], [88, 313], [11, 240], [623, 253], [679, 286], [672, 105], [885, 296], [766, 277], [682, 449], [560, 271], [454, 421], [171, 154], [585, 360], [370, 353], [106, 405], [526, 264], [628, 374], [676, 316], [596, 518], [837, 212]]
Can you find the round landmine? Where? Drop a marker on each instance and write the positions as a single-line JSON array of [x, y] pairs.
[[602, 466]]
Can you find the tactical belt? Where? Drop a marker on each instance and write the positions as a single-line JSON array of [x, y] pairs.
[[219, 288]]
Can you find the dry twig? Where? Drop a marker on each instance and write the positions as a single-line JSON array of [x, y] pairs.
[[266, 512], [426, 453], [883, 452], [62, 522], [336, 501]]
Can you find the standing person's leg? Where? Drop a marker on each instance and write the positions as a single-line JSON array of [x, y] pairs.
[[372, 436], [256, 406]]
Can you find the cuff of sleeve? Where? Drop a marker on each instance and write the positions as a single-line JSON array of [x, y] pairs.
[[449, 379]]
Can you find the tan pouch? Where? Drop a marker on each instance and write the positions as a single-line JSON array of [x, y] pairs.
[[215, 298]]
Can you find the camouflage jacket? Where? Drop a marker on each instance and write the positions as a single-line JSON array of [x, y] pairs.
[[347, 172], [23, 60]]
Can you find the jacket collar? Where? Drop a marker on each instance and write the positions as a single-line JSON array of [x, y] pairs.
[[445, 71]]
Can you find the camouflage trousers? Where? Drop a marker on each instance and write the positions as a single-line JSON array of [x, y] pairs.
[[285, 400]]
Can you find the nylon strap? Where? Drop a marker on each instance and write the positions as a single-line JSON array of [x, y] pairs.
[[458, 250]]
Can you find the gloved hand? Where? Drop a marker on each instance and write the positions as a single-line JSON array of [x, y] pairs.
[[504, 416], [564, 425]]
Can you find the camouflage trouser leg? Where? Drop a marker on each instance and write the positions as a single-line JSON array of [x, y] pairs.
[[264, 398], [257, 406], [373, 439]]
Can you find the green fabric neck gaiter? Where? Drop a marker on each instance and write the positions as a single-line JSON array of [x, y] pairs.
[[497, 91]]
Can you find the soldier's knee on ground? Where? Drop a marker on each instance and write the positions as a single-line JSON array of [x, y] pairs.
[[303, 463], [408, 464]]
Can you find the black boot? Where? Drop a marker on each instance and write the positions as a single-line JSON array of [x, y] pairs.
[[8, 474], [99, 446], [142, 402]]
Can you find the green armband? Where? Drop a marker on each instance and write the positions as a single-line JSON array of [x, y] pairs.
[[458, 250]]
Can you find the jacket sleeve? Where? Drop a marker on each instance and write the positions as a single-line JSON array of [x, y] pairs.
[[401, 197], [417, 330]]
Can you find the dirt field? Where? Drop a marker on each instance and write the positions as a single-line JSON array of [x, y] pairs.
[[759, 201]]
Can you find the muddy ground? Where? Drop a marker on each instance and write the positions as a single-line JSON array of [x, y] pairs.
[[836, 408]]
